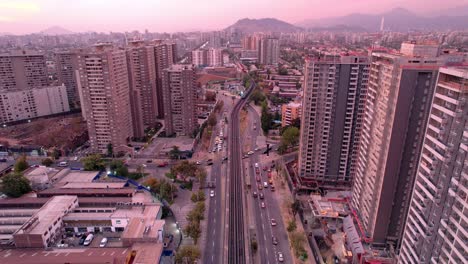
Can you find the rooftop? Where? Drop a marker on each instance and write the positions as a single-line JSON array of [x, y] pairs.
[[76, 176], [54, 208], [94, 185]]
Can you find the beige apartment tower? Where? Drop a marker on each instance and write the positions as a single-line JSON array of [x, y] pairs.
[[179, 100], [21, 70], [334, 92], [67, 68], [105, 97], [142, 74], [436, 228], [397, 107]]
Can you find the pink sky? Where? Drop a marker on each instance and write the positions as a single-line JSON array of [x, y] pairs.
[[26, 16]]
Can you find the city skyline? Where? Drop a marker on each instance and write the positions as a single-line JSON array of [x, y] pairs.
[[24, 17]]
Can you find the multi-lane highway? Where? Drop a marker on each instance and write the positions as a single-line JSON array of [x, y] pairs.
[[264, 231]]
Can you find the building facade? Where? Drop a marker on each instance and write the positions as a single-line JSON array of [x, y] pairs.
[[436, 227], [268, 51], [290, 112], [334, 92], [32, 103], [142, 72], [20, 70], [105, 97], [207, 57], [179, 100], [396, 110], [165, 56], [66, 65]]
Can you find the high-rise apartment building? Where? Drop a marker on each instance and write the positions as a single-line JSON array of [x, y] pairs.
[[250, 42], [26, 104], [268, 51], [207, 57], [419, 49], [334, 91], [436, 228], [20, 70], [166, 55], [142, 73], [396, 110], [105, 97], [66, 65], [179, 99], [290, 112]]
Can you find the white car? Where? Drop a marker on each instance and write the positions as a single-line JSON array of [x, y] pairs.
[[212, 193], [250, 153], [103, 242], [198, 162], [280, 257]]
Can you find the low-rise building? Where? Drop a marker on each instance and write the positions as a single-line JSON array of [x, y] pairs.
[[289, 112]]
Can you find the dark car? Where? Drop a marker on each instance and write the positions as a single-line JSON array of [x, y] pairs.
[[274, 240], [3, 160], [82, 239], [149, 161], [262, 196]]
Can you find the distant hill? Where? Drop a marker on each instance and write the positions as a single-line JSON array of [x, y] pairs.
[[56, 30], [398, 19], [247, 25]]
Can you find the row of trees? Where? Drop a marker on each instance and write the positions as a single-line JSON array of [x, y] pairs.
[[296, 238], [186, 171]]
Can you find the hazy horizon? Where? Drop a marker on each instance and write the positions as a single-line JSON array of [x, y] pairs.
[[30, 16]]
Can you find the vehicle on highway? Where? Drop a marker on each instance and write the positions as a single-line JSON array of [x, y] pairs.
[[255, 127], [260, 186], [269, 175], [225, 158], [280, 257], [103, 242], [256, 149], [272, 188], [209, 163], [258, 178], [256, 165], [164, 164], [274, 240], [198, 162], [250, 153], [273, 222], [264, 168], [262, 204], [63, 164], [88, 240], [245, 156], [75, 158], [212, 193], [149, 161], [270, 181], [262, 196], [265, 184], [255, 194]]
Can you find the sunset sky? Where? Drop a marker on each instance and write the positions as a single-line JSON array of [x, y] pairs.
[[26, 16]]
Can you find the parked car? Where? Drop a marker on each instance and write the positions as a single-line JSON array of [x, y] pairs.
[[82, 240], [103, 242], [88, 240], [164, 164], [149, 161], [63, 164]]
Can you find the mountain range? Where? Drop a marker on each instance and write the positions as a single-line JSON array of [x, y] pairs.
[[247, 25], [398, 19]]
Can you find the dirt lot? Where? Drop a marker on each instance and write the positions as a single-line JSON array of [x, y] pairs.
[[61, 132]]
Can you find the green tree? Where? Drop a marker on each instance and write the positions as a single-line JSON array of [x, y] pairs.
[[198, 196], [257, 96], [290, 136], [187, 255], [295, 207], [110, 150], [174, 153], [118, 168], [47, 162], [21, 164], [93, 162], [15, 184], [266, 118], [297, 242], [193, 230], [292, 226], [296, 123]]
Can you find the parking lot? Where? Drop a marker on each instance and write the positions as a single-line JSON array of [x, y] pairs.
[[113, 240]]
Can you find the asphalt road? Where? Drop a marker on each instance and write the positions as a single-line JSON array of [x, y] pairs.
[[264, 230], [214, 248]]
